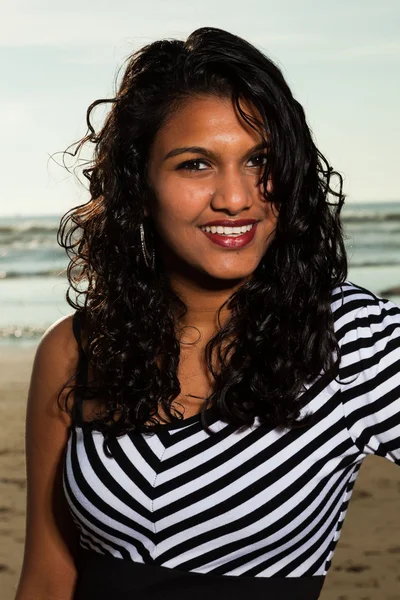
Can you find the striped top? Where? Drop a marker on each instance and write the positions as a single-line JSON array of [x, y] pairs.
[[260, 506]]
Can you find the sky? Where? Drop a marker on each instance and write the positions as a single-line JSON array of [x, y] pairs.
[[341, 60]]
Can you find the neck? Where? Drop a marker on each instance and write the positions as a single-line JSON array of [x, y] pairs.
[[203, 298]]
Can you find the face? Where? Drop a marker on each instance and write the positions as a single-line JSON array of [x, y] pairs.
[[219, 183]]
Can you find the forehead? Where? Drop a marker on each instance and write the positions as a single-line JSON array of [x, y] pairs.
[[208, 119]]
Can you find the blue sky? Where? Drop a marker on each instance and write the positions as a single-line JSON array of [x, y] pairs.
[[340, 58]]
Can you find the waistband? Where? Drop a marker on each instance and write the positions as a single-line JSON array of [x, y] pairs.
[[105, 577]]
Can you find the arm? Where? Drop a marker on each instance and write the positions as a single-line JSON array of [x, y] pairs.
[[49, 571], [371, 401]]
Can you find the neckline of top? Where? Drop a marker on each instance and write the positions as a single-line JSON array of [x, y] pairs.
[[211, 411]]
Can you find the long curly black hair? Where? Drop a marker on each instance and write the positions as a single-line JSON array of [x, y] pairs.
[[279, 337]]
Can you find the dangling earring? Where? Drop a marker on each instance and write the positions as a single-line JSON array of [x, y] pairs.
[[149, 259]]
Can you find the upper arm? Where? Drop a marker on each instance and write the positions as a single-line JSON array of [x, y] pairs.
[[371, 399], [51, 537]]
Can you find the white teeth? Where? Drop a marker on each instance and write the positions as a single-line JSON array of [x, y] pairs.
[[232, 231]]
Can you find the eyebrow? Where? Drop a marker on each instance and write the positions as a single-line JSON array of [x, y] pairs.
[[208, 153]]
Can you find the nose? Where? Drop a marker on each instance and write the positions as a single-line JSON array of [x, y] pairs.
[[234, 191]]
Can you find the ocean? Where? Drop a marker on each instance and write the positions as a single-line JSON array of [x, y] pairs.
[[33, 283]]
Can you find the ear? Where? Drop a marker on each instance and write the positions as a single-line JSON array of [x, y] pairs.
[[147, 210], [148, 200]]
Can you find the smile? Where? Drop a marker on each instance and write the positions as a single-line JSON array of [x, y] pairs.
[[230, 237], [233, 231]]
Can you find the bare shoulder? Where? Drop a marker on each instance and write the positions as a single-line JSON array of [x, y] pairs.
[[60, 336], [54, 365]]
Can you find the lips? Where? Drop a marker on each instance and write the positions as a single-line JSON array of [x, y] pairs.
[[232, 242]]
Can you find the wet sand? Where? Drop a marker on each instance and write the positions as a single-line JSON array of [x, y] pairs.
[[366, 565]]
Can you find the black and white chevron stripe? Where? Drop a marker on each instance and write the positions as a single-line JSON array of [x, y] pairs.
[[261, 502]]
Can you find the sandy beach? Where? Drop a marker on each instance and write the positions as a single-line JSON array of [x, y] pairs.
[[366, 565]]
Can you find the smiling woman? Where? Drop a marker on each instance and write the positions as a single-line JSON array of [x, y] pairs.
[[214, 271], [185, 200]]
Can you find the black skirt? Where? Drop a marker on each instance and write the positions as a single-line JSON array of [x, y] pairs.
[[107, 578]]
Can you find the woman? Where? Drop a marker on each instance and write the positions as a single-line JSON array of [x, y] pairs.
[[196, 427]]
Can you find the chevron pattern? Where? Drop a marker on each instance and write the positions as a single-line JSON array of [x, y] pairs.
[[258, 503]]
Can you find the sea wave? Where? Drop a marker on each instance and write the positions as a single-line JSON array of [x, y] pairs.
[[370, 263], [39, 273], [368, 216], [29, 228]]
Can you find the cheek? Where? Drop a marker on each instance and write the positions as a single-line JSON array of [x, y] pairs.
[[181, 201]]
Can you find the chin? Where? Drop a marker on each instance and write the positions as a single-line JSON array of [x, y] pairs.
[[230, 274]]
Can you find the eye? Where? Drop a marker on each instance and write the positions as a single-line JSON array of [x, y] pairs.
[[188, 165], [260, 156]]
